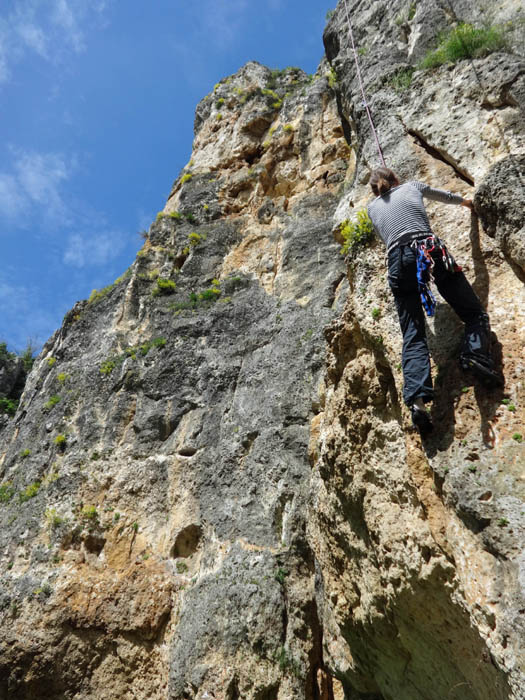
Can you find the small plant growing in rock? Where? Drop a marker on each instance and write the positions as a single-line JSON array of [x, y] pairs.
[[107, 367], [376, 313], [30, 492], [44, 590], [6, 492], [175, 215], [281, 575], [401, 80], [160, 216], [190, 218], [503, 522], [53, 519], [25, 453], [51, 361], [181, 567], [511, 407], [518, 437], [89, 513], [288, 128], [62, 377], [135, 527], [186, 178], [99, 294], [60, 441], [332, 77], [194, 238], [209, 294], [220, 102], [51, 402], [356, 234], [164, 286]]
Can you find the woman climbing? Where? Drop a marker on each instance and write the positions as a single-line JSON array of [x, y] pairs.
[[399, 217]]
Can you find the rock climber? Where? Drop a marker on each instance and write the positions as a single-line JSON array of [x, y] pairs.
[[414, 256]]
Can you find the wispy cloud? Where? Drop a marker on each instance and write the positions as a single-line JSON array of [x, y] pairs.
[[35, 179], [93, 249], [33, 37], [67, 18], [50, 28], [222, 19]]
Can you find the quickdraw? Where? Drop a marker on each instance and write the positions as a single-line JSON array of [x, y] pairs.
[[425, 264]]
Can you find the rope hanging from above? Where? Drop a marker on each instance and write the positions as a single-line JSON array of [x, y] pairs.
[[365, 103]]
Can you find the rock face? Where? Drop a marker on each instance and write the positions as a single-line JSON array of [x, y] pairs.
[[210, 488]]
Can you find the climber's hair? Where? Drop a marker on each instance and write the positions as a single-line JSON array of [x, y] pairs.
[[382, 180]]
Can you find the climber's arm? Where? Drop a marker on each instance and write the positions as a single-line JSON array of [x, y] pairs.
[[440, 195]]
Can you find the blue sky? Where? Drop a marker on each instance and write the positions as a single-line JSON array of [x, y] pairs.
[[97, 101]]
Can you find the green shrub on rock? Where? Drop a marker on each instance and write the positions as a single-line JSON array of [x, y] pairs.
[[51, 402], [6, 492], [356, 234], [164, 286], [30, 492], [60, 441], [465, 41]]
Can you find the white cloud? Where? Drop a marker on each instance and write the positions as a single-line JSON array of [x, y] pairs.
[[223, 19], [35, 180], [49, 28], [12, 201], [93, 249], [65, 16], [33, 37]]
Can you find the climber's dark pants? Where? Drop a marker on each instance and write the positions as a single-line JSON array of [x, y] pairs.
[[456, 290]]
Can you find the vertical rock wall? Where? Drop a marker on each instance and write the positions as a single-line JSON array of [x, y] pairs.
[[156, 475], [211, 488], [420, 545]]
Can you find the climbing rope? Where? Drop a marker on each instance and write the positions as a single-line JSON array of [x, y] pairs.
[[365, 103]]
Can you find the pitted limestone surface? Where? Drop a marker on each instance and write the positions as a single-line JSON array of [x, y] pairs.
[[210, 488]]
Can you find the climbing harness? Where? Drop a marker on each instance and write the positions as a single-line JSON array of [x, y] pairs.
[[365, 103], [425, 264]]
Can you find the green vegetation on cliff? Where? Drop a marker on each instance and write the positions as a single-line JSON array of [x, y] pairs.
[[465, 41]]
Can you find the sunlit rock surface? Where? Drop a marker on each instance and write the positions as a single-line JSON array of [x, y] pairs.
[[210, 488]]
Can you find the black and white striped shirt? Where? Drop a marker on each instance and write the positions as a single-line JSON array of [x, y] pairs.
[[400, 214]]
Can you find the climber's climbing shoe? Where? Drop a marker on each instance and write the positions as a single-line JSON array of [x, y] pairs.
[[486, 375], [421, 420]]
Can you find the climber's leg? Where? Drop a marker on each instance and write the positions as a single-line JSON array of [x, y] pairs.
[[415, 357], [475, 351]]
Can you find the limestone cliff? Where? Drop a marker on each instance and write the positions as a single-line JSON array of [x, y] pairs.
[[210, 488]]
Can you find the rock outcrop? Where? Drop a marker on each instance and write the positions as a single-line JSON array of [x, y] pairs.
[[210, 488]]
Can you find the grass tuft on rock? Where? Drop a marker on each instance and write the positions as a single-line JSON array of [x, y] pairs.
[[465, 41]]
